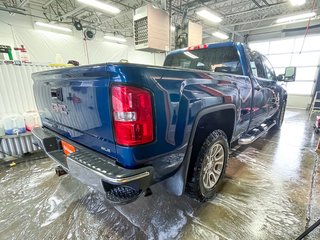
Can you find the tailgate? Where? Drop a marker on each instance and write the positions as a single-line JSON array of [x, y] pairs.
[[74, 102]]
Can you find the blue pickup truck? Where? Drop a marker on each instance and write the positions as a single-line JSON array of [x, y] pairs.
[[122, 127]]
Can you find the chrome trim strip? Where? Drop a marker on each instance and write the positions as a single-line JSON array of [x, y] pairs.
[[111, 179], [251, 139]]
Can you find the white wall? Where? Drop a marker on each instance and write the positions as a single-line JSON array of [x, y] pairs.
[[16, 94], [298, 101], [43, 44]]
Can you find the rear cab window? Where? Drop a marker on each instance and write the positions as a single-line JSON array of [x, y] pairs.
[[221, 59]]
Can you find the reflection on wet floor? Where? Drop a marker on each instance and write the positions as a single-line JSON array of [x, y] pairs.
[[272, 191]]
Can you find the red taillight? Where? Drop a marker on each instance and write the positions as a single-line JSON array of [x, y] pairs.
[[132, 115]]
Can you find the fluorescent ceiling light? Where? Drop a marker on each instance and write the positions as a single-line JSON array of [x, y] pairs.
[[297, 2], [210, 16], [115, 39], [190, 55], [100, 5], [291, 22], [53, 26], [296, 17], [220, 35]]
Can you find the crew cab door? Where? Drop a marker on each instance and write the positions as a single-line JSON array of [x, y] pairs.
[[271, 83], [264, 96]]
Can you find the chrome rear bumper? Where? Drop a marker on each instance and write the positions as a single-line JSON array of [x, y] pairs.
[[120, 184]]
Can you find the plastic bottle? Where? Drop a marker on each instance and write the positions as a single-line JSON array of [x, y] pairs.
[[13, 124], [24, 55], [59, 58], [10, 54], [31, 119]]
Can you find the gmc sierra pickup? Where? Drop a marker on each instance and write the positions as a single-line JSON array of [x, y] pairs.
[[123, 127]]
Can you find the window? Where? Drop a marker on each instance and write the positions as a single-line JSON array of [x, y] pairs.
[[306, 74], [305, 59], [225, 59], [286, 52], [281, 46], [262, 47], [311, 43], [184, 63], [269, 69], [280, 60], [256, 65]]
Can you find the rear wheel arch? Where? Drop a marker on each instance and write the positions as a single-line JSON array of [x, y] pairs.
[[220, 117]]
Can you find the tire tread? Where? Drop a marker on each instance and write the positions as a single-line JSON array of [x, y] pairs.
[[192, 187]]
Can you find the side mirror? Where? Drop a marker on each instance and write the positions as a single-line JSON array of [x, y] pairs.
[[280, 77], [290, 74]]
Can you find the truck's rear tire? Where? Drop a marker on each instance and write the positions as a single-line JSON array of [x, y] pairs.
[[279, 116], [209, 168]]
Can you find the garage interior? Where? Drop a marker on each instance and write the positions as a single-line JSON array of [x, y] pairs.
[[272, 187]]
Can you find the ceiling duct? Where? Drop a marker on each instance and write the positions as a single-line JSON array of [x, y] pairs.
[[164, 4], [151, 29], [187, 35]]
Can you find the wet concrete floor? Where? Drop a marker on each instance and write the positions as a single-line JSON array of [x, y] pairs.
[[272, 191]]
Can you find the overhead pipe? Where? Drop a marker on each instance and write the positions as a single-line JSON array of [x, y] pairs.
[[164, 4]]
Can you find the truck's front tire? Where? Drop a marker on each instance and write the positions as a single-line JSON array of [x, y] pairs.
[[209, 168]]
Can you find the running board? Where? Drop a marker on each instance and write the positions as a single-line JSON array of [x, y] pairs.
[[256, 133]]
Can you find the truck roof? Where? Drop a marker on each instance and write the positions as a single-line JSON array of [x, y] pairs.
[[206, 45]]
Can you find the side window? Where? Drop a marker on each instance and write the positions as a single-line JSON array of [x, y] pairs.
[[259, 66], [256, 65], [269, 69]]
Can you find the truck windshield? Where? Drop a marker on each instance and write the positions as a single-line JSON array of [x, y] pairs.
[[222, 59]]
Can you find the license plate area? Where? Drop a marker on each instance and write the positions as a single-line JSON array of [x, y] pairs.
[[67, 147]]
